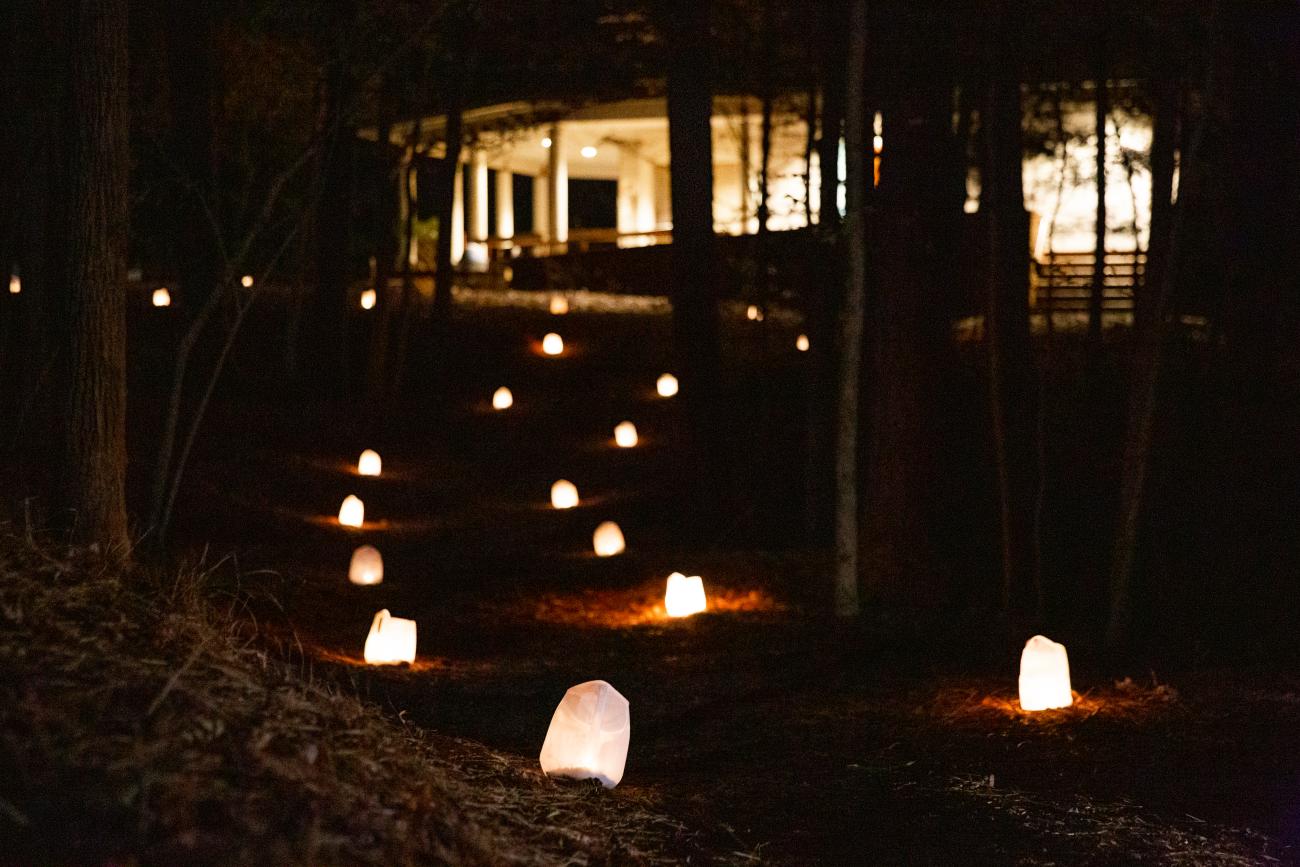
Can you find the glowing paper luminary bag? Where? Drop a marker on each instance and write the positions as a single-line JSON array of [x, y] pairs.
[[502, 398], [685, 596], [353, 512], [625, 435], [369, 463], [553, 344], [391, 640], [161, 297], [801, 343], [367, 566], [564, 494], [1044, 675], [368, 299], [589, 735], [666, 385], [608, 540], [559, 305]]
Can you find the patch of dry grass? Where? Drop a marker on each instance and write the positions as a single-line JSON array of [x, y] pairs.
[[140, 721]]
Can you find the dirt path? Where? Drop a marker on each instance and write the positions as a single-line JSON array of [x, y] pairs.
[[774, 733]]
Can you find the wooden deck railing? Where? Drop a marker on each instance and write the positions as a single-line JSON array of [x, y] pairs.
[[1063, 281]]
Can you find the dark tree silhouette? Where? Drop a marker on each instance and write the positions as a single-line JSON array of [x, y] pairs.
[[96, 237]]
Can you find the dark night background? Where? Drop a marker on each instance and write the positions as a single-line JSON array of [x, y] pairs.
[[1043, 391]]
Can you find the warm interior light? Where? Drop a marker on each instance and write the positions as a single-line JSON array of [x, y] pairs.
[[553, 344], [1044, 675], [367, 566], [502, 398], [559, 305], [369, 463], [625, 434], [15, 284], [685, 596], [162, 298], [608, 540], [564, 494], [589, 735], [246, 281], [391, 640], [546, 142], [368, 298], [666, 385], [801, 343], [353, 512], [588, 152]]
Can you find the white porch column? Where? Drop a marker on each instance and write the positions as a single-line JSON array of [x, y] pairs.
[[458, 216], [478, 203], [541, 208], [505, 204], [557, 199], [636, 193]]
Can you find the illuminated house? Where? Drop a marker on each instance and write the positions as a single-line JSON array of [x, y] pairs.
[[539, 180]]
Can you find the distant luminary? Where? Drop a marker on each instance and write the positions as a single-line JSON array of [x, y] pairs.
[[368, 298], [246, 281], [161, 297], [369, 463], [15, 284], [754, 313], [801, 343], [625, 435], [391, 640], [353, 512], [559, 305], [502, 398], [1044, 675], [564, 494], [367, 566], [608, 540], [553, 344], [685, 595], [666, 385]]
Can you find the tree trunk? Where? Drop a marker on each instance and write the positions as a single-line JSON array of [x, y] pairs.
[[832, 117], [445, 276], [329, 306], [385, 253], [96, 239], [694, 290], [852, 313], [1097, 297], [1144, 393], [1009, 346], [1163, 140]]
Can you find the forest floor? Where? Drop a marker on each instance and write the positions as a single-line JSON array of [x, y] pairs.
[[766, 731]]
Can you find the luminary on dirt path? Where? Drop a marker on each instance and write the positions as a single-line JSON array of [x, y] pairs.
[[369, 463], [502, 398], [391, 640], [367, 566], [753, 313], [15, 284], [608, 540], [161, 297], [246, 281], [559, 305], [564, 494], [1044, 675], [801, 343], [666, 385], [685, 596], [353, 512], [625, 435], [589, 735], [368, 299], [553, 344]]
